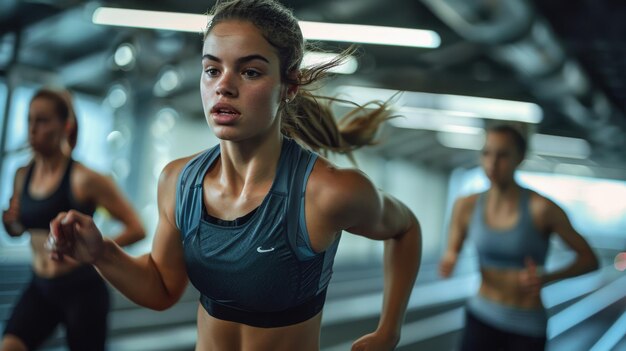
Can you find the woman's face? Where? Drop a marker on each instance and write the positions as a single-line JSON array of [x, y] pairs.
[[241, 83], [45, 128], [500, 157]]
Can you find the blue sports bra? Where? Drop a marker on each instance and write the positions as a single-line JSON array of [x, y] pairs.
[[508, 248], [258, 270]]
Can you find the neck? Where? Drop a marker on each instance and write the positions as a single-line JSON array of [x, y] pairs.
[[506, 191], [244, 164], [51, 162]]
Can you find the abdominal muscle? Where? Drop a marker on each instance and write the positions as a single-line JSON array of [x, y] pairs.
[[502, 286], [43, 265], [215, 335]]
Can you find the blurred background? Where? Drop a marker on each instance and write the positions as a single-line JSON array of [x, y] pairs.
[[557, 68]]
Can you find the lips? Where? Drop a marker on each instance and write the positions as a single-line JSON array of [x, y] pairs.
[[224, 113]]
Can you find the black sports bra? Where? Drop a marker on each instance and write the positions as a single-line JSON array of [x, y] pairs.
[[36, 213]]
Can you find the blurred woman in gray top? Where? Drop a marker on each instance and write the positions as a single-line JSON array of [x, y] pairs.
[[511, 227]]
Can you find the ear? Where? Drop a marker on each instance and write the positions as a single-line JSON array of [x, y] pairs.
[[291, 89], [69, 125]]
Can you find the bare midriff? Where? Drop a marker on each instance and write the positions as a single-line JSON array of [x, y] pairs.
[[43, 265], [215, 334], [502, 286]]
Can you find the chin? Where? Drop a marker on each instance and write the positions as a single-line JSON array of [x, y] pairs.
[[494, 180], [227, 135]]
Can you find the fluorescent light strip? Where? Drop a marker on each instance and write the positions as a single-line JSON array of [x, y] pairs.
[[465, 106], [312, 58], [352, 33], [559, 146], [356, 33], [433, 122], [182, 22], [461, 140]]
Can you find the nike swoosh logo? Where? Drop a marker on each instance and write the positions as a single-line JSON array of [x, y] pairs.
[[261, 250]]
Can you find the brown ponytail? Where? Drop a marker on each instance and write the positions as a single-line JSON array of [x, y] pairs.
[[311, 121], [72, 136]]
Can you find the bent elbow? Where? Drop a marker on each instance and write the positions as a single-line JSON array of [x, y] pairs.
[[137, 234], [160, 304], [140, 234], [160, 307]]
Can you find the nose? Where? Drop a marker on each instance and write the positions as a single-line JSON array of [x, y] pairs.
[[226, 85], [488, 162]]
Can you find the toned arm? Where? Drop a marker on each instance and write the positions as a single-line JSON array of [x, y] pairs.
[[10, 217], [155, 280], [457, 233], [103, 191], [557, 222], [351, 202]]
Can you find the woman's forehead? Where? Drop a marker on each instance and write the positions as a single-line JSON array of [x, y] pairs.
[[496, 139], [235, 35], [42, 102]]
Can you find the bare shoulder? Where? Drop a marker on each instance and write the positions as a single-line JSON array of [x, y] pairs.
[[465, 204], [166, 194], [335, 188], [545, 211], [20, 173], [85, 179], [20, 177], [340, 199], [89, 185], [542, 205], [171, 171]]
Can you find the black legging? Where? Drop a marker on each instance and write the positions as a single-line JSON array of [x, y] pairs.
[[479, 336], [79, 300]]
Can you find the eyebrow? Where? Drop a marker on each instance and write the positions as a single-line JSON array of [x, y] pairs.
[[240, 60]]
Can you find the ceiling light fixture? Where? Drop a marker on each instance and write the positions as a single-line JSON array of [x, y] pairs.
[[312, 58], [357, 33], [457, 105], [559, 146], [184, 22], [352, 33]]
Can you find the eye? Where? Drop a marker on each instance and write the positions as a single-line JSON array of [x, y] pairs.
[[251, 73], [211, 71]]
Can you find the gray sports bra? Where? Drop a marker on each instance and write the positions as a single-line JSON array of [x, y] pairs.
[[508, 248]]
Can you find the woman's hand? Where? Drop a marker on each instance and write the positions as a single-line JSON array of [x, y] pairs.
[[11, 221], [76, 235], [447, 264], [529, 278], [376, 341]]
